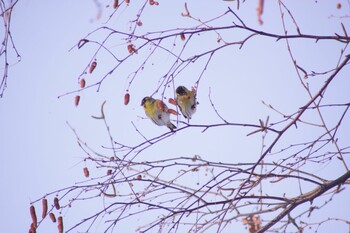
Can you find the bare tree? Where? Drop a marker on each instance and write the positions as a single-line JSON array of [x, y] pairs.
[[251, 193], [8, 48]]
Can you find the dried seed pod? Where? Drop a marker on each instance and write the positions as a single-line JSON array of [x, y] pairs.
[[132, 48], [92, 66], [139, 23], [172, 101], [172, 111], [33, 215], [86, 172], [44, 202], [32, 228], [109, 172], [76, 100], [111, 158], [82, 42], [151, 2], [56, 203], [186, 13], [52, 217], [60, 224], [126, 98], [82, 83], [115, 4], [182, 36], [260, 11], [138, 177]]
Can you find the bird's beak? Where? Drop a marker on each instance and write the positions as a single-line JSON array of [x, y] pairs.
[[143, 101]]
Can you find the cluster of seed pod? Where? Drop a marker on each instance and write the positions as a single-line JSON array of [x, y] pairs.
[[82, 81], [34, 224]]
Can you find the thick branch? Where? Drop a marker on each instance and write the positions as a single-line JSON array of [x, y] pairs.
[[310, 196]]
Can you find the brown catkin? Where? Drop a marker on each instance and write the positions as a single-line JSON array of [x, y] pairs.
[[86, 172], [126, 98], [82, 83], [33, 215], [76, 100], [56, 203], [172, 111], [44, 201], [60, 224], [115, 4], [32, 228], [52, 217], [182, 36], [172, 101], [92, 66]]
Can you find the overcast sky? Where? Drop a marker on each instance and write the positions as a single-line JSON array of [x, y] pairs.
[[39, 151]]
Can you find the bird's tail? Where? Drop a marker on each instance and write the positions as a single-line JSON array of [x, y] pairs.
[[171, 126]]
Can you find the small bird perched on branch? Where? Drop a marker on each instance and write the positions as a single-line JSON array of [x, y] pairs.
[[157, 111], [186, 100]]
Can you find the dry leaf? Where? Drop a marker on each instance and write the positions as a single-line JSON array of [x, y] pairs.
[[253, 222], [132, 48]]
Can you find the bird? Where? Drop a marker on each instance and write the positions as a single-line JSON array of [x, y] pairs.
[[157, 111], [186, 100]]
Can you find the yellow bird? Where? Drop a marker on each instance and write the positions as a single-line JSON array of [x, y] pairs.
[[186, 100], [157, 111]]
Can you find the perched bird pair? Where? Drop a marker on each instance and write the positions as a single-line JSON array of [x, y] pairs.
[[159, 113]]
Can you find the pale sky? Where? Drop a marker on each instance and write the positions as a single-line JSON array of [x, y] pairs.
[[39, 152]]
